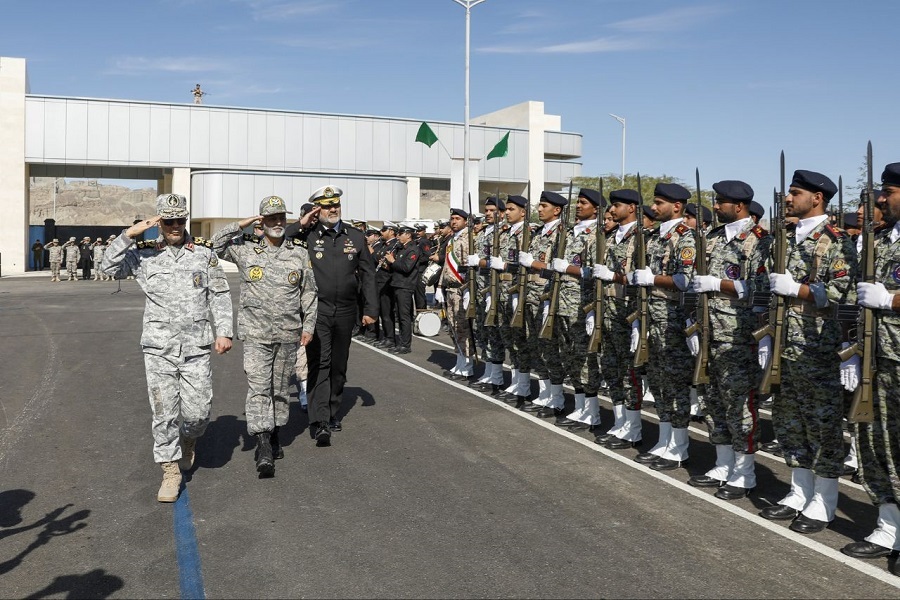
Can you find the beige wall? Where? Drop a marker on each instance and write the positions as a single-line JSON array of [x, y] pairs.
[[13, 170]]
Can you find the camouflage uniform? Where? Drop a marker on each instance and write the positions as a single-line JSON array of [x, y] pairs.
[[72, 254], [514, 339], [488, 338], [616, 359], [455, 288], [548, 364], [98, 252], [56, 255], [278, 304], [183, 286]]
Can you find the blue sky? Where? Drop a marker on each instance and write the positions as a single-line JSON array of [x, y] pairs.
[[720, 85]]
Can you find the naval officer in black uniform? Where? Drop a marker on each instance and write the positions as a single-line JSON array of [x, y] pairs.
[[403, 264]]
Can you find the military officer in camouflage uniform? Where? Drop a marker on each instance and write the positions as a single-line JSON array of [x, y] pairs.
[[488, 337], [617, 351], [55, 253], [550, 400], [808, 411], [736, 255], [879, 441], [455, 292], [72, 254], [278, 311], [670, 267], [97, 255], [184, 284]]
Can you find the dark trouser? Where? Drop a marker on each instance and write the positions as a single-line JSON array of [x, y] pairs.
[[327, 354], [38, 262], [421, 302], [86, 270], [404, 301], [387, 305]]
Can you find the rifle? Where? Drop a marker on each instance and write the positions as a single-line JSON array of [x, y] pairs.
[[490, 319], [599, 305], [864, 344], [771, 379], [518, 318], [701, 312], [471, 271], [642, 354], [560, 252], [840, 216]]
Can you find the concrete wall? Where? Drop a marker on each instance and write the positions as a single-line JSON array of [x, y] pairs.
[[13, 169]]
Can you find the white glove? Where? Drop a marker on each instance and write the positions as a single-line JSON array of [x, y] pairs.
[[545, 311], [706, 283], [560, 265], [783, 284], [497, 263], [526, 259], [873, 295], [635, 335], [472, 260], [514, 301], [466, 299], [603, 272], [693, 340], [850, 370], [763, 352], [589, 323], [487, 302], [643, 277], [438, 295]]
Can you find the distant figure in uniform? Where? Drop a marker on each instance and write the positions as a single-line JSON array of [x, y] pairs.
[[37, 251], [198, 94], [278, 311], [98, 249], [186, 292], [109, 240], [55, 255], [71, 249], [85, 252], [343, 269], [403, 266]]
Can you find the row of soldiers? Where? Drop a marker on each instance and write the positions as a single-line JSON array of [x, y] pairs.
[[535, 294], [74, 255]]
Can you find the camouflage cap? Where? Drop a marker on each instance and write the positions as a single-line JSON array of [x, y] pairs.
[[273, 205], [171, 206]]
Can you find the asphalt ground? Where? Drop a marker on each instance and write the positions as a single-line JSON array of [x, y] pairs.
[[432, 489]]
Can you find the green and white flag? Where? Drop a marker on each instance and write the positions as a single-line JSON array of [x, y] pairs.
[[426, 135], [501, 149]]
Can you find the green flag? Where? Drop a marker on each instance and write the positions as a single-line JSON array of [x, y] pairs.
[[426, 135], [501, 149]]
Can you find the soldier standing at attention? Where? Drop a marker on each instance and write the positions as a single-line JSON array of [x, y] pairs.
[[454, 291], [879, 441], [85, 257], [37, 251], [278, 311], [55, 253], [807, 416], [403, 265], [72, 253], [670, 267], [343, 270], [736, 255], [98, 250], [184, 284]]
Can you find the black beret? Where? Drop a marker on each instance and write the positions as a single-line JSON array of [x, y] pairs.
[[851, 219], [671, 192], [520, 201], [626, 197], [649, 212], [814, 182], [692, 210], [495, 201], [891, 174], [459, 213], [593, 196], [737, 191], [553, 198], [757, 210]]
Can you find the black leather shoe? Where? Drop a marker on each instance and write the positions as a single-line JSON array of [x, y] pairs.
[[645, 458], [731, 492], [531, 407], [620, 444], [779, 512], [771, 447], [448, 374], [402, 350], [265, 464], [335, 425], [855, 478], [865, 550], [382, 343], [546, 411], [603, 438], [506, 396], [566, 422], [803, 524], [277, 452], [848, 470], [323, 436], [664, 464], [521, 402], [579, 426], [459, 377], [705, 481], [481, 386]]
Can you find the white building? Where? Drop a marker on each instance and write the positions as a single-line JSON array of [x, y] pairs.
[[225, 159]]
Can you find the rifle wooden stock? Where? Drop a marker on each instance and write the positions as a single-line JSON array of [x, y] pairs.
[[547, 328], [771, 379], [599, 305], [490, 319], [701, 314], [518, 317], [471, 271], [642, 354]]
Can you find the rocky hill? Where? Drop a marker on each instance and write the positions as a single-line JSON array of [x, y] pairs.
[[85, 202]]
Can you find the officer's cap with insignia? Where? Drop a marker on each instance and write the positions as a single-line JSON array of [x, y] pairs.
[[553, 198], [736, 191], [327, 195], [692, 210], [443, 223], [592, 196], [459, 213], [389, 225], [671, 192], [757, 210], [814, 182], [273, 205], [372, 231], [171, 206], [495, 201], [625, 197], [406, 229], [891, 174], [520, 201], [421, 227]]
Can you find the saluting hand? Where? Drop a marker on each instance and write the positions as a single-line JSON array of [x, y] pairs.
[[249, 221], [142, 226]]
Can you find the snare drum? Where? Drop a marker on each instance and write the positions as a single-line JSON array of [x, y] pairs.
[[428, 323], [431, 274]]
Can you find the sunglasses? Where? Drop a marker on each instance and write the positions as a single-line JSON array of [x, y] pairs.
[[170, 222]]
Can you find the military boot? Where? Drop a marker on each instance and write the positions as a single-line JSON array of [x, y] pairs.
[[265, 463], [277, 452], [168, 491], [188, 452]]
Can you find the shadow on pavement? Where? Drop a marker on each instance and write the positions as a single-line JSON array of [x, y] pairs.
[[94, 584], [53, 526], [216, 447]]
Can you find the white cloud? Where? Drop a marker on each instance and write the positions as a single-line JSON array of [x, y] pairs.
[[268, 10], [676, 19], [599, 45], [136, 65]]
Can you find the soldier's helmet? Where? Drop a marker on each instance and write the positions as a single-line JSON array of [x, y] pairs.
[[171, 206]]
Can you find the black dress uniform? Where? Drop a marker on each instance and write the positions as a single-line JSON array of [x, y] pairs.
[[424, 253], [384, 290], [404, 274]]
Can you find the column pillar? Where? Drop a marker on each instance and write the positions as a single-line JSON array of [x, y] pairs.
[[413, 197], [14, 188]]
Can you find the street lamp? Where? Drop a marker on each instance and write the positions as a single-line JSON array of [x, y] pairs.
[[467, 4], [622, 121]]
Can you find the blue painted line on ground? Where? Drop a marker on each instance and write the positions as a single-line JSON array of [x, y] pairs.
[[190, 576]]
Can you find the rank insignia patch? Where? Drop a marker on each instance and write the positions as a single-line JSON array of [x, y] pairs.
[[293, 278], [255, 273]]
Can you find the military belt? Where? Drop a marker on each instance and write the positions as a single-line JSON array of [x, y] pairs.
[[506, 277], [614, 290], [668, 295], [534, 278], [807, 309]]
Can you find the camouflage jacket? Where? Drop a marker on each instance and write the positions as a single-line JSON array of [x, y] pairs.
[[543, 246], [483, 248], [671, 254], [575, 291], [72, 253], [183, 286], [887, 271], [55, 253], [278, 287], [453, 274], [508, 250], [99, 249], [620, 260]]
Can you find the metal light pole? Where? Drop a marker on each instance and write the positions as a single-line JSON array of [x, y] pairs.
[[622, 121], [467, 4], [55, 191]]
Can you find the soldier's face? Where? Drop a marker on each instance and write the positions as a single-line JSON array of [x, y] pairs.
[[456, 223], [690, 221], [548, 212], [726, 212], [622, 212], [330, 215], [173, 230], [514, 213], [802, 203], [405, 237], [609, 223], [490, 212], [663, 209], [889, 202], [584, 209], [273, 225]]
